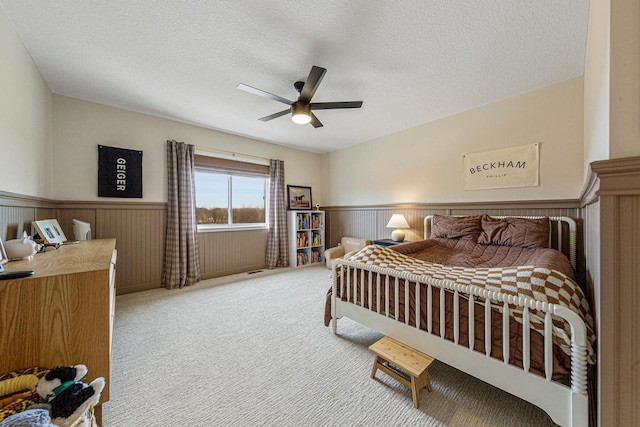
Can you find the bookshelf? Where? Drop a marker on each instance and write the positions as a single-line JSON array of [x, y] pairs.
[[306, 238]]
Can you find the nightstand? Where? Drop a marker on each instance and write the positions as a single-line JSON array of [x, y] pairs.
[[387, 242]]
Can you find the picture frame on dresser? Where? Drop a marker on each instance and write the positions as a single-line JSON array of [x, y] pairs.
[[49, 231], [298, 198]]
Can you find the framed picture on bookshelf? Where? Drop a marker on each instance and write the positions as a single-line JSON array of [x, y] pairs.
[[298, 198]]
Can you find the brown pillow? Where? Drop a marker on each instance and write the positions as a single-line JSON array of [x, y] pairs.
[[521, 232], [456, 227]]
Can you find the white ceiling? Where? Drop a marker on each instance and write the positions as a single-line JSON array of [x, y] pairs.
[[411, 61]]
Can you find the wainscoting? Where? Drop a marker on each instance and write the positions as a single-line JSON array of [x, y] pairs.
[[230, 252], [17, 212], [139, 230], [371, 221], [613, 204]]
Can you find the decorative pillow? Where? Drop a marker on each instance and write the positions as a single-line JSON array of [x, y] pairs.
[[521, 232], [456, 227]]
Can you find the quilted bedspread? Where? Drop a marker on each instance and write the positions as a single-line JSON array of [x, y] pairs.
[[539, 283], [467, 253]]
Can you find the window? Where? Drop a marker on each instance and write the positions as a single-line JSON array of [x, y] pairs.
[[229, 193]]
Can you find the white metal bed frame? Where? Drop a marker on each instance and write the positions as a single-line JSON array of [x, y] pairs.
[[566, 405]]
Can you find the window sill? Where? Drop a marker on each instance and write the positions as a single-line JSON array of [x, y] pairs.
[[217, 228]]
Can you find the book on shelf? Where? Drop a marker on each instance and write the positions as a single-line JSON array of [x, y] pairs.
[[302, 258], [303, 240], [303, 221]]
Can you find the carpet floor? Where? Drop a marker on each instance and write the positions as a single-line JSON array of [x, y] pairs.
[[252, 350]]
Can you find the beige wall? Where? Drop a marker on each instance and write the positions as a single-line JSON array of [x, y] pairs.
[[611, 95], [596, 84], [80, 126], [625, 79], [424, 164], [25, 120], [611, 83], [596, 146]]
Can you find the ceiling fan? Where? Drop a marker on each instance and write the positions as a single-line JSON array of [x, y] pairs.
[[301, 108]]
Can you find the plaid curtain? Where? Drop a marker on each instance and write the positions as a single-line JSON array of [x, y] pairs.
[[277, 244], [181, 257]]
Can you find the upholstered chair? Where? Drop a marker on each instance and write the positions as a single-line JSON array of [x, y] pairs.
[[347, 247]]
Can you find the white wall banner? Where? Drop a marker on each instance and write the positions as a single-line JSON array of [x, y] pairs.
[[504, 168]]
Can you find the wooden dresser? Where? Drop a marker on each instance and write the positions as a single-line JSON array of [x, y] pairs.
[[63, 314]]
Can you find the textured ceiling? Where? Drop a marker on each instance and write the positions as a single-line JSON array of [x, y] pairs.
[[411, 62]]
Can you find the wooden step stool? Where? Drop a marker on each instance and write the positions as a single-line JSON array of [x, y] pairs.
[[391, 355]]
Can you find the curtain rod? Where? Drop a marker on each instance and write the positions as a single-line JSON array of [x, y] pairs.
[[231, 153]]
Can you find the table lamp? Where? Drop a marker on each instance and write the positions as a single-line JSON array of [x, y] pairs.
[[397, 221]]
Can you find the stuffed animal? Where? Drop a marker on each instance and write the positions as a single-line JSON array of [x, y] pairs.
[[28, 418], [18, 390], [66, 396]]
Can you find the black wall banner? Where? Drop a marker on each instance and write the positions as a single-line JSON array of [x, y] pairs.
[[119, 172]]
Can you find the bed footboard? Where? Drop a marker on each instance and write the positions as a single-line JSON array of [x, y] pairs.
[[383, 299]]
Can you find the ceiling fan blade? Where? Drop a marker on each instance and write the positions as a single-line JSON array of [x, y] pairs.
[[261, 92], [275, 115], [332, 105], [311, 85], [315, 122]]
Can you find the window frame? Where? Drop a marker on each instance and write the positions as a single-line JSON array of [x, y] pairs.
[[230, 168]]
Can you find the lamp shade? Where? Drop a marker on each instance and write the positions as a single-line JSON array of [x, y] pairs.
[[397, 221]]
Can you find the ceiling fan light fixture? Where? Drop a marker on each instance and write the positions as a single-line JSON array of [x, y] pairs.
[[301, 108], [300, 113], [301, 119]]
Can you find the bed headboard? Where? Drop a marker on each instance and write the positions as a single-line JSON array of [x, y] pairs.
[[562, 233]]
